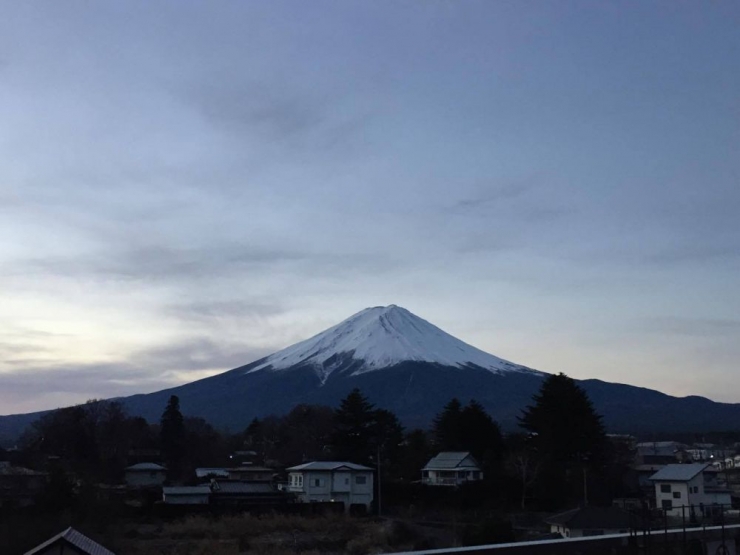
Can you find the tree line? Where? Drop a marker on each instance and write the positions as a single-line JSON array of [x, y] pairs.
[[560, 453]]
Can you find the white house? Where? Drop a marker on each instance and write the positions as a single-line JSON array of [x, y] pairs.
[[451, 468], [688, 490], [349, 483], [186, 495], [145, 474]]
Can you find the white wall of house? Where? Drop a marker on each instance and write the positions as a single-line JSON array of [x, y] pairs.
[[349, 487], [672, 496]]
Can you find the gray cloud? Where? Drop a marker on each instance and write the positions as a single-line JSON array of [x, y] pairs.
[[692, 326]]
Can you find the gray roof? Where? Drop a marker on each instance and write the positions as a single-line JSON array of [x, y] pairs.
[[242, 487], [678, 472], [146, 466], [450, 460], [214, 471], [186, 490], [76, 539], [328, 465]]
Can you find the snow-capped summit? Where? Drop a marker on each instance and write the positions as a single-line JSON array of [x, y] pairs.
[[380, 337]]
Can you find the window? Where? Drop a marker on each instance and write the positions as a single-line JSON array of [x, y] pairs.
[[666, 504], [318, 482], [346, 481], [360, 480], [665, 488], [676, 495]]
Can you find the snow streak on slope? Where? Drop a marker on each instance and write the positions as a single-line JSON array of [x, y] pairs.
[[380, 337]]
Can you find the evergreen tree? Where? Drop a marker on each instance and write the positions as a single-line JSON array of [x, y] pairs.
[[354, 421], [568, 436], [447, 427], [172, 435], [480, 434]]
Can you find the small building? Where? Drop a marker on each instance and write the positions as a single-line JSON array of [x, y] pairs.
[[211, 472], [20, 487], [689, 491], [246, 493], [589, 521], [451, 468], [658, 452], [145, 475], [69, 542], [251, 474], [186, 495], [345, 482]]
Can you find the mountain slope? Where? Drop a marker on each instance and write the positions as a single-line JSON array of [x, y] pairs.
[[382, 337], [403, 363]]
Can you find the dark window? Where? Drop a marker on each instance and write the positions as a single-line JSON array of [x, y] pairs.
[[665, 488], [666, 504], [317, 482], [676, 495], [360, 480]]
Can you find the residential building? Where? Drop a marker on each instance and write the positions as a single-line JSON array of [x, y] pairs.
[[590, 521], [211, 472], [246, 493], [345, 482], [451, 468], [658, 452], [146, 474], [251, 473], [20, 487], [186, 495], [689, 490], [70, 541]]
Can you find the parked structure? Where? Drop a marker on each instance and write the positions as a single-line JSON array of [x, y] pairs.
[[146, 474], [349, 483], [589, 521], [451, 468], [70, 541]]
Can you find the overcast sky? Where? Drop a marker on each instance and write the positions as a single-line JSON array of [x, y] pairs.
[[188, 186]]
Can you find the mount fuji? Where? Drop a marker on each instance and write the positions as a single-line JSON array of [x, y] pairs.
[[405, 364]]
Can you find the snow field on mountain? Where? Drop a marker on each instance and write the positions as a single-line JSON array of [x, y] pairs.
[[385, 336]]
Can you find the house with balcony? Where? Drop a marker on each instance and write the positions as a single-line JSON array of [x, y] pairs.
[[451, 468], [330, 481]]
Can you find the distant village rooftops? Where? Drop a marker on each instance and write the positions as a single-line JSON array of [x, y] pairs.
[[78, 542]]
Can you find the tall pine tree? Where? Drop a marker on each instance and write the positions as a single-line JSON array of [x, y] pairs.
[[568, 436], [172, 436]]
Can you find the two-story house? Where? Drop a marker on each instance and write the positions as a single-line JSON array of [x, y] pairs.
[[451, 468], [689, 490], [345, 482]]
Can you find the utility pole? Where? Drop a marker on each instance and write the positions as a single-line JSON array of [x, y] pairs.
[[585, 487]]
